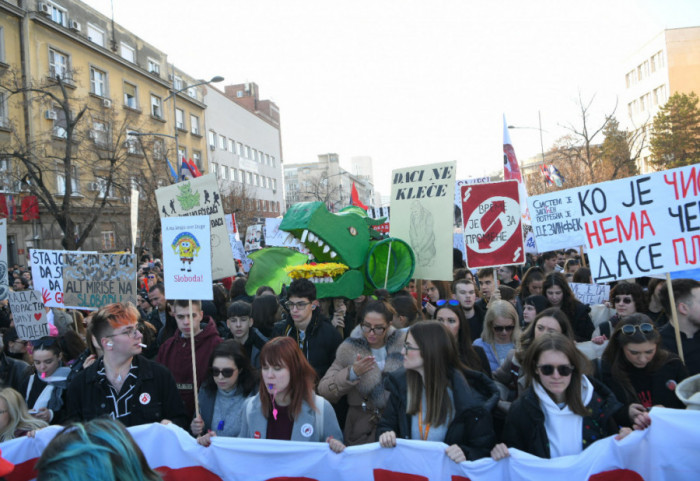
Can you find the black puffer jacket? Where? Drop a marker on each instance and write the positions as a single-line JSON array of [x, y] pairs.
[[471, 429]]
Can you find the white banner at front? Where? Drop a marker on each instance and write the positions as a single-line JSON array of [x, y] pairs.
[[666, 451]]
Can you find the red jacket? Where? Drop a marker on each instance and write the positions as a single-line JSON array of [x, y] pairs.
[[176, 355]]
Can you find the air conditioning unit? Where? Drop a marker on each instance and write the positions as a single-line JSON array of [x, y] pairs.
[[50, 115], [212, 148], [107, 103], [44, 8], [74, 25], [93, 186]]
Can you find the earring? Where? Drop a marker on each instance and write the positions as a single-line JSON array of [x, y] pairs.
[[110, 344]]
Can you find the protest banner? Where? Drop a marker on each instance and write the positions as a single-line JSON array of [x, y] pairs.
[[643, 455], [253, 237], [29, 315], [200, 196], [187, 257], [4, 279], [493, 233], [632, 227], [91, 281], [422, 215], [47, 275], [591, 293]]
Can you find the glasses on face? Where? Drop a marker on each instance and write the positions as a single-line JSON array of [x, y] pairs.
[[548, 369], [129, 331], [227, 372], [42, 343], [238, 320], [408, 347], [3, 411], [296, 305], [367, 328], [451, 302], [644, 328], [503, 328], [624, 300]]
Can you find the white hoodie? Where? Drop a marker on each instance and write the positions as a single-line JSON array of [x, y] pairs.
[[564, 427]]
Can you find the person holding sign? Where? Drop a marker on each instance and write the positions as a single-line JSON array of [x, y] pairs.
[[45, 398], [559, 294], [122, 384], [430, 400]]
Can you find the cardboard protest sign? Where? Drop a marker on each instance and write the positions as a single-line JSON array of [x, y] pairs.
[[4, 279], [422, 214], [591, 293], [187, 257], [632, 227], [279, 238], [253, 237], [29, 315], [91, 281], [240, 254], [47, 275], [196, 197], [493, 233], [458, 194]]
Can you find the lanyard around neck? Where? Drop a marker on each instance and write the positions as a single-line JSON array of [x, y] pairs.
[[420, 423]]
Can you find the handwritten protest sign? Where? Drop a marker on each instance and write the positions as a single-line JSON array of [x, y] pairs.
[[422, 214], [196, 197], [632, 227], [94, 280], [29, 315], [4, 287], [591, 293], [47, 275], [187, 257], [493, 233], [253, 237]]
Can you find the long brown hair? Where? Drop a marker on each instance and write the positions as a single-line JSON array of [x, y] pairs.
[[439, 351], [529, 334], [284, 351], [558, 342], [467, 354]]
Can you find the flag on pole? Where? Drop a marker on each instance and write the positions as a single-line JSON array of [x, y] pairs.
[[355, 198], [30, 208], [194, 169], [545, 173], [556, 176], [511, 169], [173, 172], [185, 170]]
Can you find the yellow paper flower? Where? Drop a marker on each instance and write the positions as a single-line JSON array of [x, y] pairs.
[[307, 271]]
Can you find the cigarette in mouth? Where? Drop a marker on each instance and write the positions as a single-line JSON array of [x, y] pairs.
[[142, 345]]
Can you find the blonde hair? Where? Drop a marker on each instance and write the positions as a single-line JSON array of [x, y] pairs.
[[19, 417], [499, 309]]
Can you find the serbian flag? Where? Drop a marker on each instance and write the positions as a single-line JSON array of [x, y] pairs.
[[511, 169], [556, 176], [193, 168], [545, 173], [30, 208], [185, 170], [355, 198]]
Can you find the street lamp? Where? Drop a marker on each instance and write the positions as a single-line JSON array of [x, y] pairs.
[[539, 117], [173, 94]]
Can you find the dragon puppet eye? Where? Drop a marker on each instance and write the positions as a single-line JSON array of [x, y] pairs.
[[353, 231]]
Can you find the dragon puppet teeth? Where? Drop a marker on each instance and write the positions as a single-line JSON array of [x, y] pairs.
[[289, 239], [333, 255], [326, 249], [320, 242], [304, 235]]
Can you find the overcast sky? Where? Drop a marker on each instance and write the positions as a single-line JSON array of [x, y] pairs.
[[410, 82]]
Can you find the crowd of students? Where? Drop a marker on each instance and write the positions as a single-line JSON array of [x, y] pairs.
[[480, 365]]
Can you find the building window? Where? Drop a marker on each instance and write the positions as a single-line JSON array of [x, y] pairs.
[[177, 83], [133, 143], [61, 180], [109, 242], [58, 65], [240, 149], [231, 146], [249, 178], [156, 107], [100, 132], [2, 44], [234, 176], [215, 169], [103, 190], [194, 124], [96, 35], [180, 119], [158, 149], [223, 173], [197, 159], [4, 122], [222, 142], [212, 138], [153, 66], [247, 152], [58, 14], [60, 124], [130, 96], [273, 160], [192, 92], [181, 154], [274, 184], [267, 159], [98, 82], [128, 53]]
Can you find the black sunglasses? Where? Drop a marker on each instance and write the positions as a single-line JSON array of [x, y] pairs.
[[503, 328], [644, 328], [226, 372], [548, 369], [624, 300]]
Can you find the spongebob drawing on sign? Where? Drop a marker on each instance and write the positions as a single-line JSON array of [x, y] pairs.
[[186, 247]]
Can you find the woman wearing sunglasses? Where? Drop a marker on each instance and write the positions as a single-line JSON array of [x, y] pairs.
[[361, 363], [562, 412], [501, 332], [627, 298], [430, 400], [639, 371], [230, 381], [45, 400]]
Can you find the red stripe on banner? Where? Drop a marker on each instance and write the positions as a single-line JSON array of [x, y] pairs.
[[616, 475], [386, 475], [459, 478], [199, 473], [23, 471]]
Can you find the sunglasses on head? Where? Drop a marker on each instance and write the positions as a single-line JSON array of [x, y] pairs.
[[226, 372], [624, 300], [644, 328], [451, 302], [548, 369], [42, 343], [503, 328]]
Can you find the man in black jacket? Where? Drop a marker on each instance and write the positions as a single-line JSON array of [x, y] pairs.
[[122, 384], [13, 372]]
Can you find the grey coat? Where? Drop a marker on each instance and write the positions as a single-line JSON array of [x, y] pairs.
[[310, 425]]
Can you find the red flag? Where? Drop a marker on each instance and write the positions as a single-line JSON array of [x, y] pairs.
[[4, 214], [30, 208], [355, 198], [511, 169], [193, 168]]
